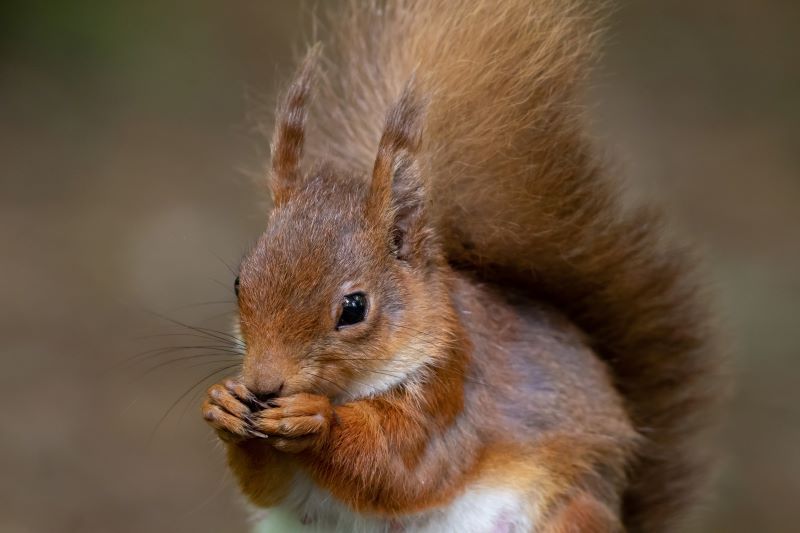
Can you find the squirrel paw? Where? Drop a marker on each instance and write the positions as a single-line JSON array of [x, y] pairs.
[[295, 423], [226, 410]]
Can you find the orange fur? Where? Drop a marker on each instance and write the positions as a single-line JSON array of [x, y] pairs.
[[522, 326], [584, 514]]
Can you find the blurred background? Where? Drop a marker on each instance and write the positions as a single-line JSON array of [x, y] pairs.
[[128, 146]]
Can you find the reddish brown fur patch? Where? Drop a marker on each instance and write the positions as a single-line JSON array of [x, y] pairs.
[[264, 474], [583, 514], [360, 463]]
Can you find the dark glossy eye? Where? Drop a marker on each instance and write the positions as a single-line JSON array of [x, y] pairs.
[[236, 286], [354, 309]]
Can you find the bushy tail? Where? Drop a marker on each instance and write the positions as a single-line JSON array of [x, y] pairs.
[[519, 197]]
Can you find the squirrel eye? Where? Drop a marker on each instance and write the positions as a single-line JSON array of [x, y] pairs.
[[236, 286], [354, 309]]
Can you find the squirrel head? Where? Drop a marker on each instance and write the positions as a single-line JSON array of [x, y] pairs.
[[341, 294]]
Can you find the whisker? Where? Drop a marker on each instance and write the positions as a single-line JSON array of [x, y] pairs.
[[195, 397], [318, 376], [221, 260], [159, 352], [219, 335], [374, 389], [203, 304], [184, 395], [159, 335], [218, 282], [223, 347], [163, 364], [206, 363], [219, 315]]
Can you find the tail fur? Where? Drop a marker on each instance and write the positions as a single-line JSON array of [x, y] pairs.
[[519, 197]]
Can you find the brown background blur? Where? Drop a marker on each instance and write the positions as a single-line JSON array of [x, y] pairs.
[[126, 150]]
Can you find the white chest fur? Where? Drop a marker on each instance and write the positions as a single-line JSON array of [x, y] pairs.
[[478, 510]]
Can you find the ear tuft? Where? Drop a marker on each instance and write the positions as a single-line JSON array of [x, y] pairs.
[[290, 122], [396, 191], [400, 141]]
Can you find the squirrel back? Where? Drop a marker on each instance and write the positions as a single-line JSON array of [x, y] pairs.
[[517, 196]]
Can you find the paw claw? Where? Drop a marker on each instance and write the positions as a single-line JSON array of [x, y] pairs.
[[226, 413]]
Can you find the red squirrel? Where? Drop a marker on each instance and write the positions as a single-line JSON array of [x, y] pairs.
[[451, 323]]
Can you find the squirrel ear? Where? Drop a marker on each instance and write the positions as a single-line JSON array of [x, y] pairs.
[[396, 196], [290, 121]]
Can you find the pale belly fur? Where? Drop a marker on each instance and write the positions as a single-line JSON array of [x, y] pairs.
[[479, 509]]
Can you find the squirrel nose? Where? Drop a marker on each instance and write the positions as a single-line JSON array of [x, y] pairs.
[[265, 396], [265, 390], [265, 375]]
